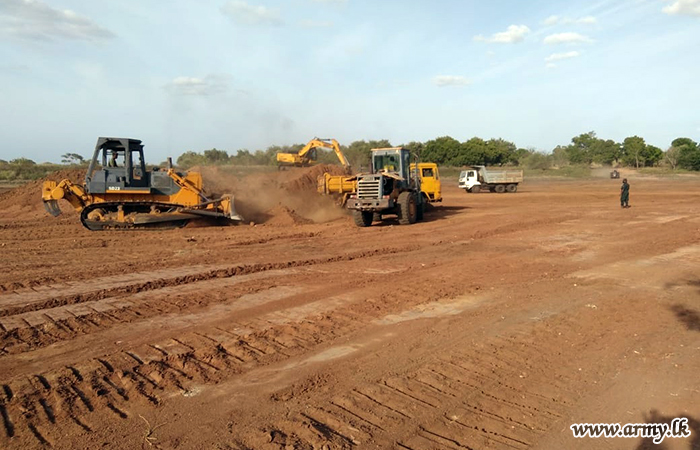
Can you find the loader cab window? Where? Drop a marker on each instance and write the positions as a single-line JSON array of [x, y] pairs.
[[427, 173], [390, 163]]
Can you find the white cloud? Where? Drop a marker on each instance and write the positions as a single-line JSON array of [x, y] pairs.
[[558, 20], [551, 20], [208, 85], [315, 24], [551, 65], [561, 56], [514, 33], [566, 38], [35, 20], [450, 80], [684, 7], [247, 14]]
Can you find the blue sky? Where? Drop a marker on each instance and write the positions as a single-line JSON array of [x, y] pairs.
[[184, 75]]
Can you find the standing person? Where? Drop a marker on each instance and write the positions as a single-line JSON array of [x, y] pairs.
[[625, 194]]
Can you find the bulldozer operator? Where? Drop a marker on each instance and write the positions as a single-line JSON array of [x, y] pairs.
[[113, 160]]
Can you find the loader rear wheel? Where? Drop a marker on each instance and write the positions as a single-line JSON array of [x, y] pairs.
[[499, 189], [512, 188], [408, 208], [362, 218], [376, 217]]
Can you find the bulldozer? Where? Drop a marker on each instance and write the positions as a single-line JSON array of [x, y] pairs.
[[120, 193], [307, 156], [393, 187]]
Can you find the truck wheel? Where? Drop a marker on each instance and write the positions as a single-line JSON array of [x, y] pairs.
[[408, 208], [362, 218], [500, 189], [475, 189], [512, 188]]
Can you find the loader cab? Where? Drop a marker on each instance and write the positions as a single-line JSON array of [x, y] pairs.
[[396, 161], [117, 164]]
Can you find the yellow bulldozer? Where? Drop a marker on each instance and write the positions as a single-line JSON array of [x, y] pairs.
[[307, 156], [119, 193]]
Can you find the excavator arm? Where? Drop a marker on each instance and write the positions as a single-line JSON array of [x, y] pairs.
[[52, 192], [302, 157]]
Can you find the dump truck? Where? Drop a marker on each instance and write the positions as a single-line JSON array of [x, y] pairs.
[[391, 188], [307, 156], [479, 178], [341, 186], [120, 193]]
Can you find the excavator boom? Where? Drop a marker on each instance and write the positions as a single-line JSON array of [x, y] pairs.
[[305, 156]]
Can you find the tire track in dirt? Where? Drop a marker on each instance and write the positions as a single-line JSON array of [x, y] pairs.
[[16, 304], [37, 406]]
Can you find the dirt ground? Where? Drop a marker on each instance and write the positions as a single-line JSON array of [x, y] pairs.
[[494, 324]]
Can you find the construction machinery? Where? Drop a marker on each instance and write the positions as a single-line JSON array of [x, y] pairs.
[[391, 188], [341, 186], [307, 156], [120, 193], [478, 179]]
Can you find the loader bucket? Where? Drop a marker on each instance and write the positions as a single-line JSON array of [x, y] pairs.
[[52, 207]]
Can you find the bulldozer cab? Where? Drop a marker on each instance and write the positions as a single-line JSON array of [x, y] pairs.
[[117, 165]]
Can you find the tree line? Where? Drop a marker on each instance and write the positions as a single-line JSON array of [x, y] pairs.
[[585, 149]]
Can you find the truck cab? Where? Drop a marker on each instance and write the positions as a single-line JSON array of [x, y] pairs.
[[469, 178], [431, 186]]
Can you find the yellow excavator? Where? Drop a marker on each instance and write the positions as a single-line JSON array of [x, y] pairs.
[[119, 193], [307, 156]]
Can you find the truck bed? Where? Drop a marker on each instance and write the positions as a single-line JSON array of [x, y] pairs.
[[503, 176]]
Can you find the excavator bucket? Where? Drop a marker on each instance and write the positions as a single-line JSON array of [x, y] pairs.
[[52, 207]]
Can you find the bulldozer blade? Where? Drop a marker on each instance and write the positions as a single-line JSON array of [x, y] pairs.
[[52, 207]]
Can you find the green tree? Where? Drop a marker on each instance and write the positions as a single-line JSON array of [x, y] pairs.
[[72, 158], [443, 150], [216, 157], [560, 156], [688, 153], [498, 152], [633, 151], [472, 152], [190, 159]]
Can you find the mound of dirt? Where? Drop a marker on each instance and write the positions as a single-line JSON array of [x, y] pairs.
[[307, 181], [280, 198], [26, 199], [285, 217]]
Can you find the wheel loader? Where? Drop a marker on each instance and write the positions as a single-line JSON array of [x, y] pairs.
[[120, 193], [393, 186]]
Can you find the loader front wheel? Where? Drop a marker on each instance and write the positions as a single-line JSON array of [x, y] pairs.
[[362, 218], [408, 212]]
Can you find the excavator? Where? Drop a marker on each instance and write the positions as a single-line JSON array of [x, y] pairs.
[[307, 156], [119, 193]]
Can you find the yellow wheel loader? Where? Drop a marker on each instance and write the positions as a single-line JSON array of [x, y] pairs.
[[119, 193]]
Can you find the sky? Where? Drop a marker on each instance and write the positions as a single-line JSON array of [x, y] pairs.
[[232, 74]]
